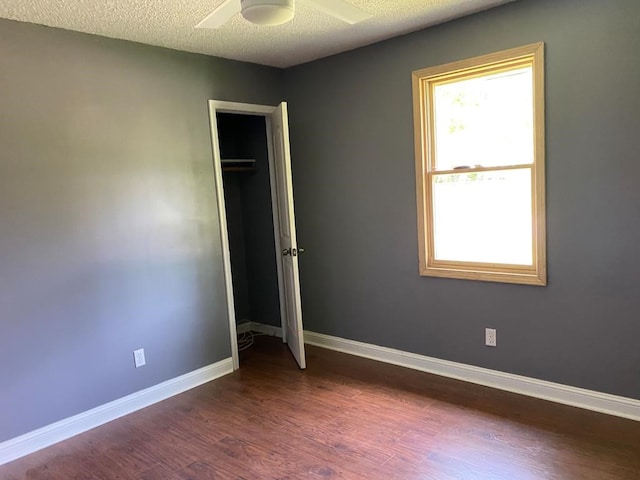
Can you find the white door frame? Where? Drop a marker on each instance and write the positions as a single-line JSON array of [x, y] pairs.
[[215, 107]]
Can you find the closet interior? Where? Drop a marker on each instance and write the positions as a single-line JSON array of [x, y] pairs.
[[247, 193]]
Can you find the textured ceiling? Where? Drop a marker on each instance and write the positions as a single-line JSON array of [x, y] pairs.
[[170, 23]]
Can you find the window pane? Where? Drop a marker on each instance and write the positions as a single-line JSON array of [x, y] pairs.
[[483, 217], [486, 120]]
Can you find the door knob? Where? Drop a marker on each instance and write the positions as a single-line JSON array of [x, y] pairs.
[[292, 251]]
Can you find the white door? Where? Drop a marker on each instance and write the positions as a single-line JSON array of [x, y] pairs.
[[287, 233]]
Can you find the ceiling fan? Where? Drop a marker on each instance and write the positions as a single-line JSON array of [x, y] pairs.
[[277, 12]]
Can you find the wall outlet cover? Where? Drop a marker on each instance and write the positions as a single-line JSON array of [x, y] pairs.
[[138, 358], [490, 339]]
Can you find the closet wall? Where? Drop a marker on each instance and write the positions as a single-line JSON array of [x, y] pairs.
[[250, 219]]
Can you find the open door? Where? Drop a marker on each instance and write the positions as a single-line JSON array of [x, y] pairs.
[[292, 313], [283, 218]]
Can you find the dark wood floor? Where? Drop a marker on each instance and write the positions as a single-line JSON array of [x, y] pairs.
[[343, 418]]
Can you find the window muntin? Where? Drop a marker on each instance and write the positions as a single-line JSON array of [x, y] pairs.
[[479, 128]]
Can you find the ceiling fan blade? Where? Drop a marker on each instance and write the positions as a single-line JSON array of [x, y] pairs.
[[340, 9], [221, 15]]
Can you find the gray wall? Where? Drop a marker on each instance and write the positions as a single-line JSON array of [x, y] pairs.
[[237, 248], [109, 235], [353, 167]]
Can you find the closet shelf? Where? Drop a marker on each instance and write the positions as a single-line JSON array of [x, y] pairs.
[[238, 165]]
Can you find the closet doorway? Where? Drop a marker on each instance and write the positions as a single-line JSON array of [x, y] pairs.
[[252, 170]]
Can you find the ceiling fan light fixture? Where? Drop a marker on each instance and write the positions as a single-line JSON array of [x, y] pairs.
[[267, 12]]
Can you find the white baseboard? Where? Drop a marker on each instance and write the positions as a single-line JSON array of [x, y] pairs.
[[243, 327], [56, 432], [266, 329], [259, 328], [555, 392]]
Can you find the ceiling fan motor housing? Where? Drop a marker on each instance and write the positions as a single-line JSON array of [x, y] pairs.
[[267, 12]]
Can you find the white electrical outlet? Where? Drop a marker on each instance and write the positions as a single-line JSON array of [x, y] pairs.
[[138, 358], [490, 337]]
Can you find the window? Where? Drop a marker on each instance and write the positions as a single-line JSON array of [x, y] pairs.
[[479, 134]]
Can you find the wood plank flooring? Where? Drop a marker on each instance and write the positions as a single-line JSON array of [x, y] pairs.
[[343, 418]]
